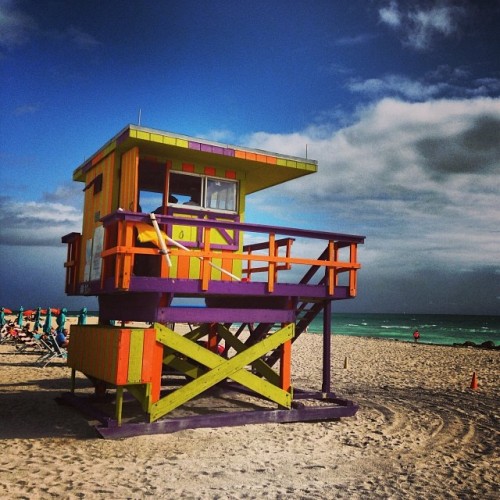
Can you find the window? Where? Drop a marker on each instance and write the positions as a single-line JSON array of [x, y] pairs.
[[221, 195], [185, 189], [151, 185], [98, 184], [202, 191], [95, 183]]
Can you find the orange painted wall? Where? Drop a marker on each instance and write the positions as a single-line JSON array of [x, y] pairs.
[[119, 356]]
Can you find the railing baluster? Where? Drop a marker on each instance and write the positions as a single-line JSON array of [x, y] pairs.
[[271, 278]]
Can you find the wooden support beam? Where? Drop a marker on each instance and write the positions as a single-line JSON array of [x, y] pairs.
[[220, 369], [285, 366], [260, 366]]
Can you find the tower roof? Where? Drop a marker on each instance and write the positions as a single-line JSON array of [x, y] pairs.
[[263, 169]]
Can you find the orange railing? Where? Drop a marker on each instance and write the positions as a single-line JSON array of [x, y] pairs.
[[269, 258]]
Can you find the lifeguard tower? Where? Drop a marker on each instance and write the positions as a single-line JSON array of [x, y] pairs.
[[165, 242]]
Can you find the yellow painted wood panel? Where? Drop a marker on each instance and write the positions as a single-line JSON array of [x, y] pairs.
[[135, 356]]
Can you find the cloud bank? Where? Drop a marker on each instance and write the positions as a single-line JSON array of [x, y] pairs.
[[420, 180]]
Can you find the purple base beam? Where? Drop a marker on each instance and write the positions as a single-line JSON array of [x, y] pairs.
[[332, 408]]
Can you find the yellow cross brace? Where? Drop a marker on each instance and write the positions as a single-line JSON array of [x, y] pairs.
[[220, 369]]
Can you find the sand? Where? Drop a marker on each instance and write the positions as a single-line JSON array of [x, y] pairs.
[[421, 432]]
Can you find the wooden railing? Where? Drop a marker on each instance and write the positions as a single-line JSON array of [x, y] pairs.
[[120, 249]]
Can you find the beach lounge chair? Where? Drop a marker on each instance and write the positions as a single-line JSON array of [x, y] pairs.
[[23, 341], [53, 351], [32, 344], [10, 334]]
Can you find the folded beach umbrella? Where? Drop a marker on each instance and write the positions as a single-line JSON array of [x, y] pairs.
[[20, 316], [38, 313], [48, 322], [2, 317], [61, 319], [82, 317]]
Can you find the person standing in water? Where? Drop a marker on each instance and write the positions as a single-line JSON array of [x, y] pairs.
[[416, 335]]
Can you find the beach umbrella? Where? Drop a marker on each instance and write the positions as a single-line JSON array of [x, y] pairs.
[[47, 326], [29, 312], [20, 316], [6, 310], [53, 310], [61, 319], [38, 313], [82, 317]]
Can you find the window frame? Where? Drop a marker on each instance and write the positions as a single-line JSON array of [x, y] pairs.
[[204, 193]]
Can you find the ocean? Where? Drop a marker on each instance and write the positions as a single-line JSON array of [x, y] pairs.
[[443, 329]]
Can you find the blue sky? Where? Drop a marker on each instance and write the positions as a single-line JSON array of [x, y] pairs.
[[397, 100]]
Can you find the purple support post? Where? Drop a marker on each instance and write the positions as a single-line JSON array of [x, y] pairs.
[[327, 346]]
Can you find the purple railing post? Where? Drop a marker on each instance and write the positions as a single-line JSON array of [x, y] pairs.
[[327, 346]]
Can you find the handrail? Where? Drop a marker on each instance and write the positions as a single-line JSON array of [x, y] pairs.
[[238, 226], [124, 248]]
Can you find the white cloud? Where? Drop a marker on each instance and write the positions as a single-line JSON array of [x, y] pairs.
[[36, 223], [390, 15], [397, 85], [15, 26], [419, 25], [442, 82], [420, 179]]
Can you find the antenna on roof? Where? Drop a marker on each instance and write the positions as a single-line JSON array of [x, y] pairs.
[[140, 112], [306, 151]]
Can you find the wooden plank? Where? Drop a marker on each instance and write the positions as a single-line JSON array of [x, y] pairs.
[[183, 267], [220, 369], [112, 372], [285, 366], [271, 277], [331, 269], [147, 356], [352, 271], [135, 356], [157, 371], [205, 266], [123, 357], [258, 365]]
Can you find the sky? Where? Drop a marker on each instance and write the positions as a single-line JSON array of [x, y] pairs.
[[398, 101]]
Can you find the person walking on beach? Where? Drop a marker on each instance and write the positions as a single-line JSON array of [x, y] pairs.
[[416, 335]]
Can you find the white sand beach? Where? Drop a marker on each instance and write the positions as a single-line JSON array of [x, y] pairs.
[[420, 432]]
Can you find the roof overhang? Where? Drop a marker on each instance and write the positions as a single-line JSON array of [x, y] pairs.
[[262, 169]]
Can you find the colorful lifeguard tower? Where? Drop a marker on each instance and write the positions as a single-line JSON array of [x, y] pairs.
[[165, 242]]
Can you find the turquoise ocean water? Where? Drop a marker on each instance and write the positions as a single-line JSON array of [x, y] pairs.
[[444, 329], [434, 328]]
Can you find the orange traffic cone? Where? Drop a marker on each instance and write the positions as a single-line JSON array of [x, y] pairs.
[[473, 383]]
